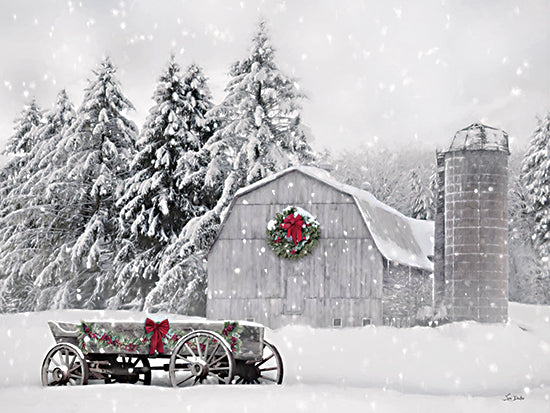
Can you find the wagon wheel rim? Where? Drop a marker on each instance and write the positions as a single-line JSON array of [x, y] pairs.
[[64, 365], [133, 362], [201, 357], [268, 370]]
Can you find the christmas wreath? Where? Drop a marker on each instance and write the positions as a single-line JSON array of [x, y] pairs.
[[293, 233]]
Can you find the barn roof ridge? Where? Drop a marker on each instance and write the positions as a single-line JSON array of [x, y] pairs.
[[399, 238]]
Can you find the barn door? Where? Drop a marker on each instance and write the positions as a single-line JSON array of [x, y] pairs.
[[294, 301]]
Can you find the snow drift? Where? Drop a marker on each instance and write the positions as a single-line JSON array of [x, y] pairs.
[[457, 367]]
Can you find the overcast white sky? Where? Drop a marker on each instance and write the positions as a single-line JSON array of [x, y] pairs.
[[397, 72]]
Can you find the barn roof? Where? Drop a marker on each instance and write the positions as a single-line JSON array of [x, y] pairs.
[[399, 238]]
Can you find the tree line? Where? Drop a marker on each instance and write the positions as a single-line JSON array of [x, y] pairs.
[[97, 213]]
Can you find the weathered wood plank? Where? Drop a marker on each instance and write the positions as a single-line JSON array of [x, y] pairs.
[[246, 221]]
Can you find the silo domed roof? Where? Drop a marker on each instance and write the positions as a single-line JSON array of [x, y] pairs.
[[479, 137]]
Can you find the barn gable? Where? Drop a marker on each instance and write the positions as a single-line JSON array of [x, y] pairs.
[[400, 239]]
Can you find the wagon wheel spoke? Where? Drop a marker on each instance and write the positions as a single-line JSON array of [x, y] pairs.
[[269, 368], [206, 349], [63, 357], [198, 344], [180, 382], [218, 360], [72, 362], [190, 350], [216, 376], [54, 362], [219, 368], [75, 368], [213, 353], [265, 360], [183, 358], [268, 378]]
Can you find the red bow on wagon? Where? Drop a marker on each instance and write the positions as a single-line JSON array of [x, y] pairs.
[[293, 225], [159, 330]]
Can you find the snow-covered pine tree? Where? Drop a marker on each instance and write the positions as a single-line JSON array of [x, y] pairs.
[[530, 221], [19, 145], [99, 147], [165, 189], [30, 230], [259, 133], [260, 118], [44, 158], [22, 141], [528, 279], [535, 177], [193, 177], [421, 197]]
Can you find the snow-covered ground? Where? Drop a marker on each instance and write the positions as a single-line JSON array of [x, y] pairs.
[[461, 367]]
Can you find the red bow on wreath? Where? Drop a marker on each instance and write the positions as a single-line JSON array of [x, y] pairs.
[[159, 330], [293, 225]]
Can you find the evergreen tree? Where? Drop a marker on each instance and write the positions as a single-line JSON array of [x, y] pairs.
[[20, 145], [22, 141], [30, 231], [259, 133], [528, 279], [535, 177], [421, 198], [98, 149], [43, 158], [163, 192]]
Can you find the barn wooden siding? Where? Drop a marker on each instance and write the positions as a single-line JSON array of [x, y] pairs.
[[407, 292], [341, 279]]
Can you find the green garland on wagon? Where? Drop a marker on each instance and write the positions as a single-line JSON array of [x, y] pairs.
[[90, 335], [293, 233]]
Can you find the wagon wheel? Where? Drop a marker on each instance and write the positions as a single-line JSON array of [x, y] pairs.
[[201, 357], [136, 369], [64, 365], [268, 370]]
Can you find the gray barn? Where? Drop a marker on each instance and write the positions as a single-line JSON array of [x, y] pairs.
[[372, 264]]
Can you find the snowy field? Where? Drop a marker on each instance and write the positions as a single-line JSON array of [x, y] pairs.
[[462, 367]]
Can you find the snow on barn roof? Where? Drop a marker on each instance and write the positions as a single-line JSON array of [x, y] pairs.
[[399, 238]]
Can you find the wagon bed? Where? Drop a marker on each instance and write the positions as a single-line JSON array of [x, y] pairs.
[[198, 352]]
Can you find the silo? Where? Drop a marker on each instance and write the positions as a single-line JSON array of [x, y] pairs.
[[476, 225]]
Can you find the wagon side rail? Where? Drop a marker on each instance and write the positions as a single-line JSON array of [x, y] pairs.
[[64, 332], [128, 337]]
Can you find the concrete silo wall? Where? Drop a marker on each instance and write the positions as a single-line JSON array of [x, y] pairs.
[[476, 235], [439, 236]]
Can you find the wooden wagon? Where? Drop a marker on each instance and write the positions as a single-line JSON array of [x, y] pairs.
[[219, 352]]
